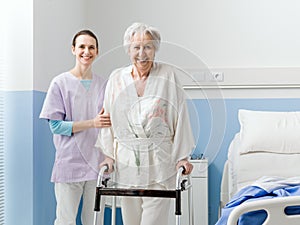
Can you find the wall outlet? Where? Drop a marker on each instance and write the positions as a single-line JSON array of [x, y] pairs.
[[216, 76]]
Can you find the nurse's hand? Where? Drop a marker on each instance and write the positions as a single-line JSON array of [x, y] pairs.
[[188, 167], [108, 162], [102, 120]]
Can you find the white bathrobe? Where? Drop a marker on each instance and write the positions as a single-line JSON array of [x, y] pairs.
[[149, 134]]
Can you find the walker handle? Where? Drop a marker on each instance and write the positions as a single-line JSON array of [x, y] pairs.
[[103, 169], [180, 172], [106, 167], [184, 170]]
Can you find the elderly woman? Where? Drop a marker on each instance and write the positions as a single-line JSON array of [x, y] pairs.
[[150, 137]]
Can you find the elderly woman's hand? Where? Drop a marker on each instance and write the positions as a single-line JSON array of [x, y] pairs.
[[108, 162], [188, 167]]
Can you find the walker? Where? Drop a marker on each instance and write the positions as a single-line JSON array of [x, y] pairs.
[[102, 189]]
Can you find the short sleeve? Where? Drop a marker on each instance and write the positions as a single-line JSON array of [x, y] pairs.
[[53, 107]]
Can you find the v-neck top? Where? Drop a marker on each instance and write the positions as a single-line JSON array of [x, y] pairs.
[[76, 158]]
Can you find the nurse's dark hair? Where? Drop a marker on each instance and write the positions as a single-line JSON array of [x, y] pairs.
[[84, 32]]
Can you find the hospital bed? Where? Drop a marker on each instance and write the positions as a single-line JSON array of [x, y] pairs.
[[261, 177]]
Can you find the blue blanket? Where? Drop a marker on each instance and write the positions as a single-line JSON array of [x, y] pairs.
[[252, 193]]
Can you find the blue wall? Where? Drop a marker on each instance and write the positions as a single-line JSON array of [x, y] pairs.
[[43, 158], [30, 153], [18, 162]]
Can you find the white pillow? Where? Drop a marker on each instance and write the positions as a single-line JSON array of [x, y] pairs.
[[264, 131]]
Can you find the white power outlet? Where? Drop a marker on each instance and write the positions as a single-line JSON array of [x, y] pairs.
[[216, 76]]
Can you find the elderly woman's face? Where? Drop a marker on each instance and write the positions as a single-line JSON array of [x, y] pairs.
[[142, 51]]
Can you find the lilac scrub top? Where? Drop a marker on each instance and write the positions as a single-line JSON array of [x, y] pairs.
[[67, 99]]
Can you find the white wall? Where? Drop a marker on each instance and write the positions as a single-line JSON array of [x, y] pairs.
[[16, 32], [55, 23], [219, 35], [37, 37], [252, 42], [232, 33]]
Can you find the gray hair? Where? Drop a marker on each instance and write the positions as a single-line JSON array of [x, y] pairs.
[[142, 29]]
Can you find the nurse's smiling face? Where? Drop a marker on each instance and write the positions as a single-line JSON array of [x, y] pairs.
[[142, 52], [85, 50]]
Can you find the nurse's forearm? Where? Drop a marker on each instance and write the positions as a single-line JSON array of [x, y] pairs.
[[68, 127], [82, 125], [100, 121]]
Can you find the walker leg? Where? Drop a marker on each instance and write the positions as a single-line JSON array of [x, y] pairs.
[[113, 211], [177, 219], [191, 206], [95, 218]]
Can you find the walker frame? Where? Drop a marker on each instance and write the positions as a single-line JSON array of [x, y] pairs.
[[102, 189]]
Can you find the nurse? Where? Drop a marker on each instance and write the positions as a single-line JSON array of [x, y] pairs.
[[73, 108], [150, 136]]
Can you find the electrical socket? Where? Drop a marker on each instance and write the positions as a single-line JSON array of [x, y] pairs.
[[216, 76]]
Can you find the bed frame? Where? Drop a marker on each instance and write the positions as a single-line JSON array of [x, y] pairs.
[[274, 207]]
